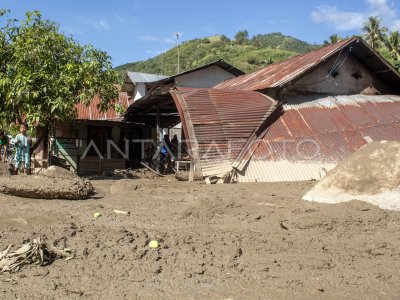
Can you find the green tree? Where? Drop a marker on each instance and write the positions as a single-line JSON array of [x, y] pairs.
[[242, 37], [333, 39], [392, 43], [374, 32], [224, 39], [44, 74]]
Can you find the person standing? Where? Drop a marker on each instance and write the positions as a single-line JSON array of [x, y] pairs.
[[3, 145], [175, 146], [22, 144]]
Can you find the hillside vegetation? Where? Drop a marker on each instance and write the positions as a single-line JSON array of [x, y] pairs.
[[242, 52]]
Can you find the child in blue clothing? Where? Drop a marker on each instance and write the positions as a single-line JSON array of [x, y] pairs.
[[22, 144]]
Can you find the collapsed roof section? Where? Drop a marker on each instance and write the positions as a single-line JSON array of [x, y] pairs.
[[219, 123]]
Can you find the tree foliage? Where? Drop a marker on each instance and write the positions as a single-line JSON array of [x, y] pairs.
[[44, 74], [379, 38], [242, 37], [374, 32], [277, 40], [333, 39], [271, 48], [392, 43], [224, 39]]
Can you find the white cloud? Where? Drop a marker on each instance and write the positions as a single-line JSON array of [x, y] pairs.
[[396, 25], [169, 41], [341, 20], [152, 52], [99, 25], [353, 20], [381, 8], [151, 38], [72, 30]]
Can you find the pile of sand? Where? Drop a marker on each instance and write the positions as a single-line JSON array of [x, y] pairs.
[[56, 183], [371, 174]]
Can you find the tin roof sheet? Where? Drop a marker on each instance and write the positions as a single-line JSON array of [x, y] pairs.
[[220, 122], [311, 133], [282, 73], [93, 113], [138, 77]]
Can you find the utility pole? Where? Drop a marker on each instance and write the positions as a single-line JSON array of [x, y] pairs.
[[178, 35]]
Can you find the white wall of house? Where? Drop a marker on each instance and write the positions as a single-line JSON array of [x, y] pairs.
[[140, 90], [203, 78]]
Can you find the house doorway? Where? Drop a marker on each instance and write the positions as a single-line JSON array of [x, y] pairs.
[[99, 135]]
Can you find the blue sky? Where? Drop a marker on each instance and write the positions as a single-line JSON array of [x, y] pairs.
[[131, 30]]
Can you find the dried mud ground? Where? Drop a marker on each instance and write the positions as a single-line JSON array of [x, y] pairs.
[[244, 241]]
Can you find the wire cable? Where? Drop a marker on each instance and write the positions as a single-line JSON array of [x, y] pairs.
[[336, 66]]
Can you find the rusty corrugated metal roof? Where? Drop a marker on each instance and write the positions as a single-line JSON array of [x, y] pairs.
[[93, 113], [313, 134], [282, 73], [279, 73], [218, 123]]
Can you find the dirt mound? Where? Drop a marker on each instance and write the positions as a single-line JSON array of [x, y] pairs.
[[45, 187], [371, 174], [57, 172]]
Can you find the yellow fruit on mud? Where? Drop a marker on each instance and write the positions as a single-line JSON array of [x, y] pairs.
[[154, 244]]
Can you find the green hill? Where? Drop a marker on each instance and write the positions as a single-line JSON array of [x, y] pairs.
[[248, 55]]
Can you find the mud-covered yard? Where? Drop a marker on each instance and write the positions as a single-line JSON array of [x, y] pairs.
[[244, 241]]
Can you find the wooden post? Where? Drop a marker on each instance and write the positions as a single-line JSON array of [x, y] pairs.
[[191, 172]]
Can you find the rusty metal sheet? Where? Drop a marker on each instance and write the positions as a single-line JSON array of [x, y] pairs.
[[358, 116], [280, 73], [285, 72], [92, 112], [389, 132], [319, 119], [295, 124], [390, 108], [222, 122], [290, 142]]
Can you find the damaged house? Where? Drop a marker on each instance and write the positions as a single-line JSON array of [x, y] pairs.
[[156, 114], [81, 145], [293, 120]]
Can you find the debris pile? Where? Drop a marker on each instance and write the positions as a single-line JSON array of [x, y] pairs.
[[371, 174], [37, 253], [142, 173]]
